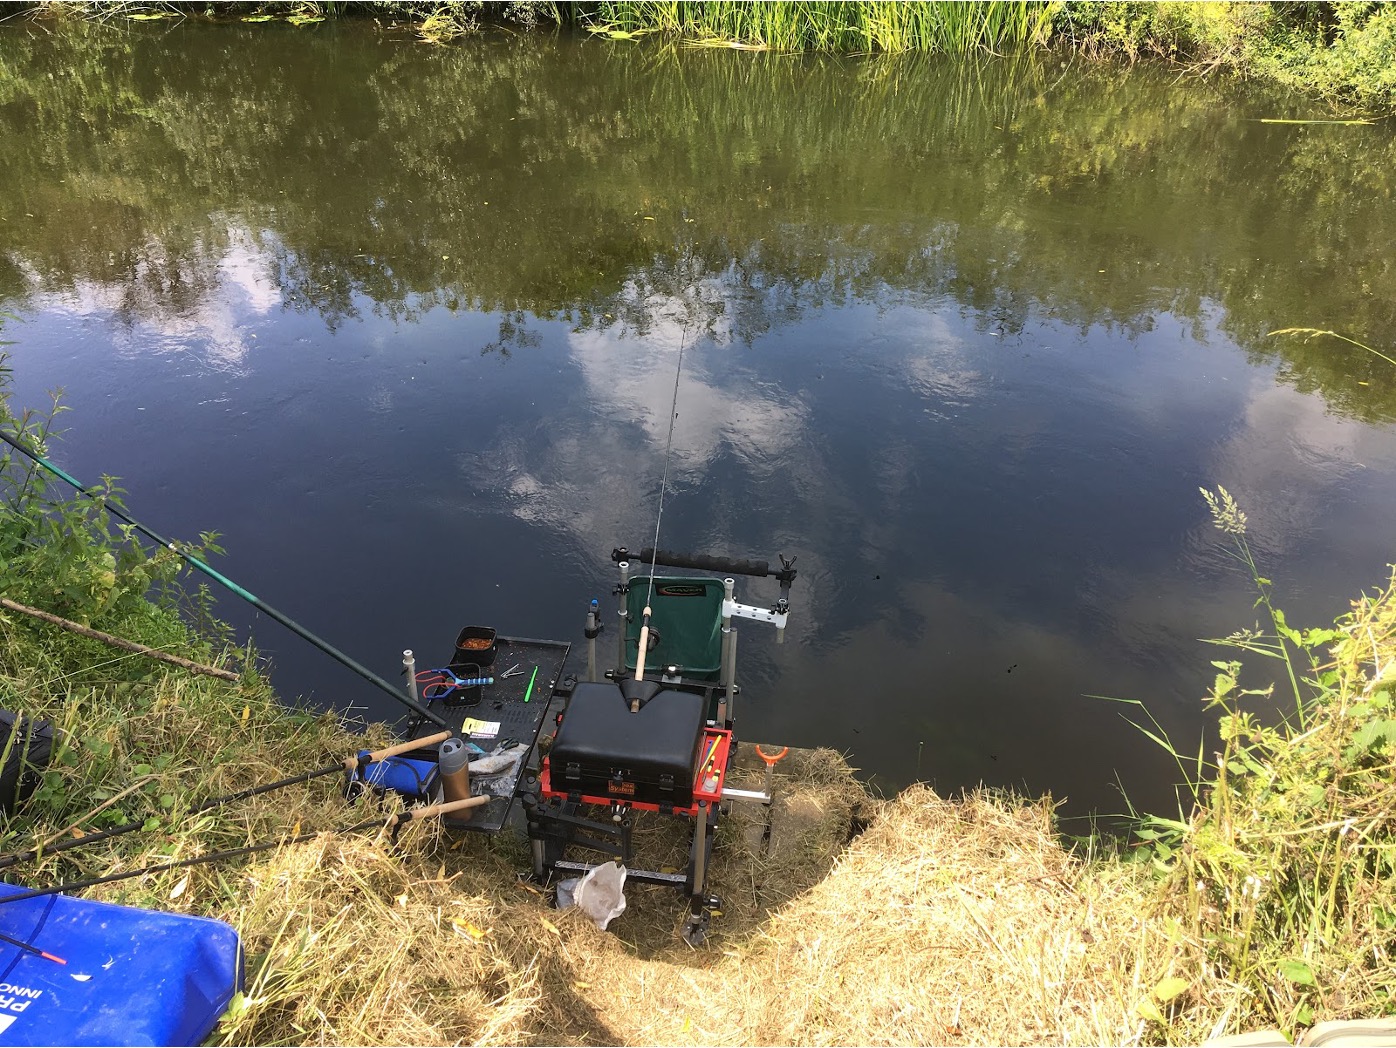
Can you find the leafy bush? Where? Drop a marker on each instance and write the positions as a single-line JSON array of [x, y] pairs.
[[62, 552], [58, 549], [1354, 63], [1343, 51]]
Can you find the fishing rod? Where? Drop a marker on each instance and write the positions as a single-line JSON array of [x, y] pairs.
[[295, 627], [642, 643], [393, 822], [357, 762]]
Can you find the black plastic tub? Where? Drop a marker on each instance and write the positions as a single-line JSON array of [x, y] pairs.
[[471, 650]]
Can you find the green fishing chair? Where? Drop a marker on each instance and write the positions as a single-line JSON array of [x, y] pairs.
[[686, 614]]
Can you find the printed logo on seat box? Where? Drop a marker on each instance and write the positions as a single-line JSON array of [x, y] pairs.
[[680, 589]]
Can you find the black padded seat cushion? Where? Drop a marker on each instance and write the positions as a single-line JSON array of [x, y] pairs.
[[601, 748]]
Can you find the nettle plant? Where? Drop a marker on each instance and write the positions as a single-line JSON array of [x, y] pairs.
[[61, 550]]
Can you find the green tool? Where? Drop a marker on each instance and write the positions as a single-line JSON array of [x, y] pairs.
[[529, 694]]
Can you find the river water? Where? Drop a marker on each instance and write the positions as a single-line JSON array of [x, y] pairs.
[[402, 323]]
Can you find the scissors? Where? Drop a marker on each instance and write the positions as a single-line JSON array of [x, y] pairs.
[[439, 684]]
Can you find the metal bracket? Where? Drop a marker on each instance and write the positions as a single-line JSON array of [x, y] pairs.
[[729, 794], [565, 828], [732, 608]]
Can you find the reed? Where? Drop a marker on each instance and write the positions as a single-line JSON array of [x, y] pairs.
[[1343, 52], [841, 27]]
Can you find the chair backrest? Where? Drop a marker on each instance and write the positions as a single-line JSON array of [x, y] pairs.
[[686, 611]]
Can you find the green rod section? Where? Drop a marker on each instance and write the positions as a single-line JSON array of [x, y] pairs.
[[295, 627]]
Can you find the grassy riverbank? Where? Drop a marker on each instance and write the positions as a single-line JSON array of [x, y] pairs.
[[1344, 51], [1269, 900]]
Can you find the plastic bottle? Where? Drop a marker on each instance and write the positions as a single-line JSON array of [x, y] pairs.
[[453, 768]]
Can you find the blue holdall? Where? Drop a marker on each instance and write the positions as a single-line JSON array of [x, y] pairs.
[[129, 977]]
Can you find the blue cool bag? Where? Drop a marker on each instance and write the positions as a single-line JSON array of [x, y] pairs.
[[133, 977]]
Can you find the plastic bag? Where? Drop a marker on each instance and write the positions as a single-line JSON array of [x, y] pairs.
[[600, 894], [500, 761]]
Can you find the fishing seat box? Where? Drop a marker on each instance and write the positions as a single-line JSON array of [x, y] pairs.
[[603, 750]]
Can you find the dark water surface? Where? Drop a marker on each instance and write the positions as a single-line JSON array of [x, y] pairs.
[[402, 324]]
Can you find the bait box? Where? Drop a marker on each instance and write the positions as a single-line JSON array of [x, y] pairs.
[[483, 654]]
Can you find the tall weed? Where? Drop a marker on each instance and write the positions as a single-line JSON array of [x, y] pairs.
[[1282, 877]]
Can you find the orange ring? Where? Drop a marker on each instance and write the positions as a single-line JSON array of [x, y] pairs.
[[771, 758]]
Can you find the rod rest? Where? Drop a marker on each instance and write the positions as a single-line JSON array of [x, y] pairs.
[[639, 691]]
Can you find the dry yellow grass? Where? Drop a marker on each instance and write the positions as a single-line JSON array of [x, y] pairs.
[[445, 941], [943, 922], [946, 922], [956, 922]]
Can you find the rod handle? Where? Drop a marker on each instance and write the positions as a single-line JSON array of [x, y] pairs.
[[641, 649], [443, 809], [352, 763]]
